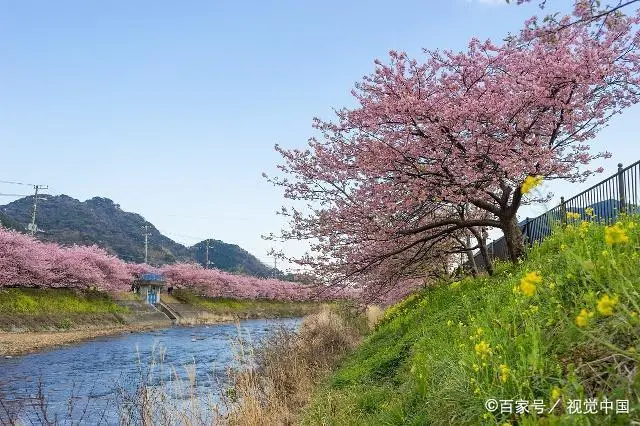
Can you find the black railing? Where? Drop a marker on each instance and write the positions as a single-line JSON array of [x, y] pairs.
[[603, 202]]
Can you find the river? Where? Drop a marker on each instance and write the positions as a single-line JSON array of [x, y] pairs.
[[96, 381]]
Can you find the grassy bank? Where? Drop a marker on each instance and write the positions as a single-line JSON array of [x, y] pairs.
[[562, 325], [44, 309], [260, 308], [33, 309]]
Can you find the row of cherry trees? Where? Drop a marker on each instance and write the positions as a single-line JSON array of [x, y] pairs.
[[25, 261], [438, 149]]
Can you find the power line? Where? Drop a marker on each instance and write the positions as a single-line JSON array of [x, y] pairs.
[[16, 183]]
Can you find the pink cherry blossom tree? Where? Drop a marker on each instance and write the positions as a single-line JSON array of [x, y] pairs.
[[27, 262], [585, 12], [386, 178]]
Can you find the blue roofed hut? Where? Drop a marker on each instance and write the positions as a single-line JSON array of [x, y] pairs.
[[149, 286]]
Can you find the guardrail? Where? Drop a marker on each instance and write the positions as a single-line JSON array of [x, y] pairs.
[[616, 194], [168, 311]]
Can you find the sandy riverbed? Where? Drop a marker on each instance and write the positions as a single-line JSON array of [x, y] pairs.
[[22, 343]]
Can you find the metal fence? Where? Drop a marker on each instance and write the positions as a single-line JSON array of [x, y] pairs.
[[617, 194]]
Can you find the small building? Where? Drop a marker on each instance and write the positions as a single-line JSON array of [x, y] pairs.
[[148, 286]]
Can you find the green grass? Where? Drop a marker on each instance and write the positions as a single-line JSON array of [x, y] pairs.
[[33, 301], [54, 309], [246, 308], [439, 355]]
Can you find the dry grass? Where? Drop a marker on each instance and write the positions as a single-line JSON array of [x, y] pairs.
[[374, 314], [288, 366]]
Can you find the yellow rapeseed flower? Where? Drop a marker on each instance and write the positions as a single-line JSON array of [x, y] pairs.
[[529, 183], [563, 247], [583, 318], [483, 350], [449, 323], [615, 235], [528, 283], [584, 227], [606, 304], [573, 215], [589, 211], [504, 373], [556, 393]]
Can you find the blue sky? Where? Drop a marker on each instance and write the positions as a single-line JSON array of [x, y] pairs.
[[172, 108]]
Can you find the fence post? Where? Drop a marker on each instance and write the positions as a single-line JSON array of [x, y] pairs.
[[622, 198], [563, 212], [525, 231]]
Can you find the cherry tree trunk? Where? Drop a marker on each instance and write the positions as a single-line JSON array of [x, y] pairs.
[[513, 237], [470, 257], [485, 256]]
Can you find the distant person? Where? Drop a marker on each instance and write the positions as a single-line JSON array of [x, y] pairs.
[[170, 290]]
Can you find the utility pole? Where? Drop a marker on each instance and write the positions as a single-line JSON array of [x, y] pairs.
[[206, 254], [32, 226], [146, 243], [275, 262]]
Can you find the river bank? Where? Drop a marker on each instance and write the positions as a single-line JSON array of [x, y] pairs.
[[21, 343], [35, 319]]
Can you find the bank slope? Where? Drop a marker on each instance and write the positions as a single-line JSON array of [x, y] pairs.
[[562, 325]]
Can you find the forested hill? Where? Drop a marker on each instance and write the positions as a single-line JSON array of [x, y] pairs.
[[100, 221]]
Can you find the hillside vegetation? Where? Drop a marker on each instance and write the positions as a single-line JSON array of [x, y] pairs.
[[100, 221], [561, 325]]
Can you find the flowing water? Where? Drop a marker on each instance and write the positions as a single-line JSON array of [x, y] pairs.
[[91, 382]]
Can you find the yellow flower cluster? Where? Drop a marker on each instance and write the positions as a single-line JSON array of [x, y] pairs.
[[582, 320], [606, 304], [589, 211], [573, 215], [615, 235], [529, 183], [584, 227], [483, 350], [529, 282], [504, 373]]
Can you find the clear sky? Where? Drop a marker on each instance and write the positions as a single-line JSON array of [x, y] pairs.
[[172, 108]]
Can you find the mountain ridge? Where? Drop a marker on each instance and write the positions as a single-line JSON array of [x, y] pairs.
[[65, 220]]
